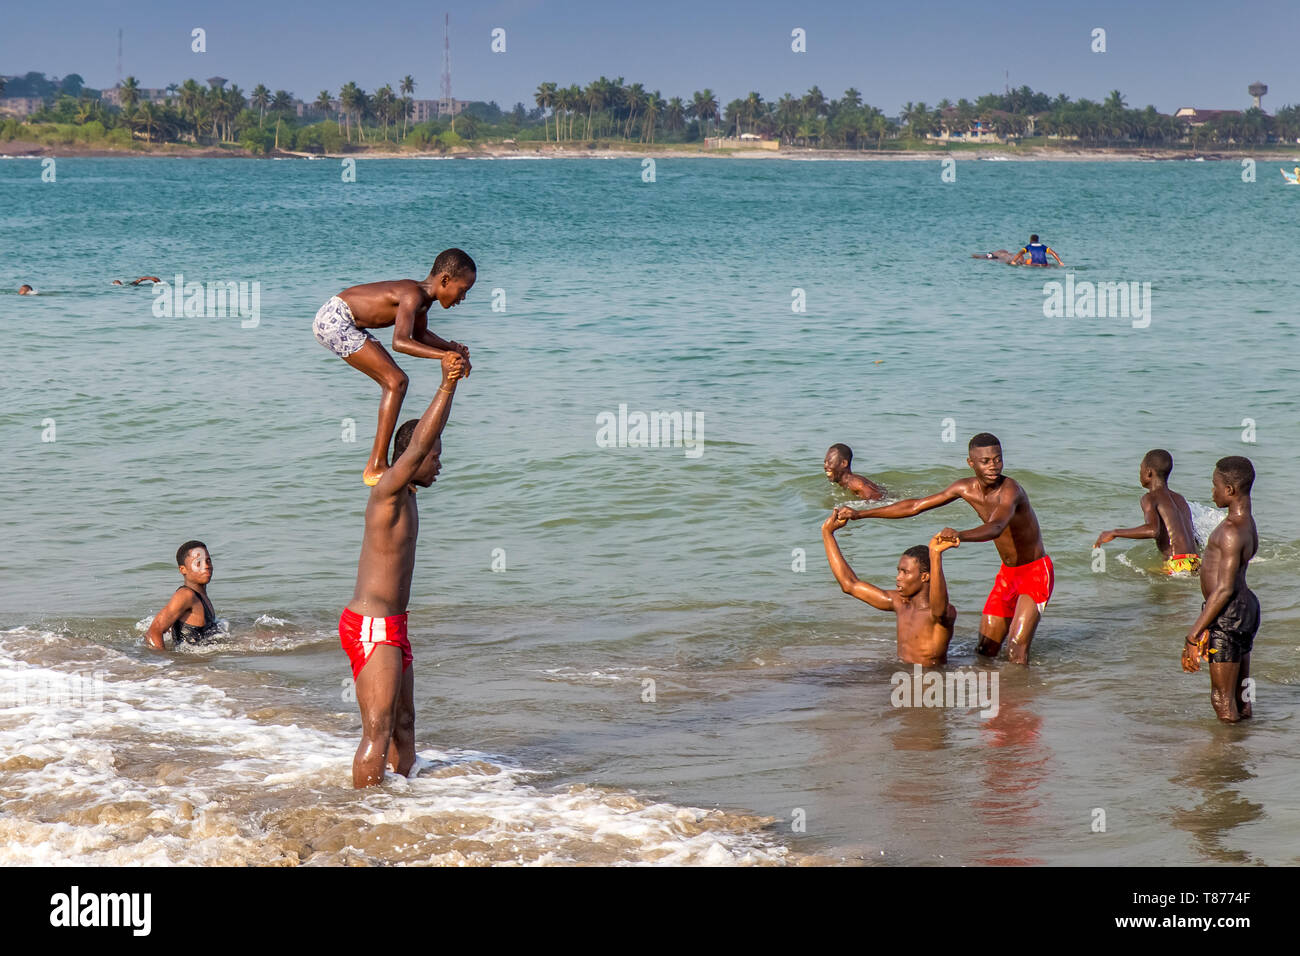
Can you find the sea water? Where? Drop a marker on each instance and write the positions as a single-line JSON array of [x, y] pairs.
[[632, 654]]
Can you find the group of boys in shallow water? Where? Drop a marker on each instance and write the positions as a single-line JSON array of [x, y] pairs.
[[1223, 633], [373, 625]]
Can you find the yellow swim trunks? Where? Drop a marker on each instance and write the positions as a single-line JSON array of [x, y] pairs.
[[1182, 564]]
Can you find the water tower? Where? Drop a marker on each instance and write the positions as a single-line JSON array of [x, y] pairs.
[[1257, 90]]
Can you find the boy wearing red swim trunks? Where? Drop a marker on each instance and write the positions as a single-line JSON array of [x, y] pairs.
[[1024, 582], [372, 628]]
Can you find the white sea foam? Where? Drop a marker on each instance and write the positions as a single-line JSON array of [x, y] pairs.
[[171, 769]]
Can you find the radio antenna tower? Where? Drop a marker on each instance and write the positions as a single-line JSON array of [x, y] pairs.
[[119, 57], [444, 106]]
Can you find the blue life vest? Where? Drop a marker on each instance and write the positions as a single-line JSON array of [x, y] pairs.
[[1037, 253]]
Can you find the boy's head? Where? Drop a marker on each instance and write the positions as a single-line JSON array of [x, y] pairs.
[[838, 459], [452, 275], [1157, 462], [1234, 476], [913, 571], [25, 290], [1034, 237], [427, 473], [194, 562], [984, 455]]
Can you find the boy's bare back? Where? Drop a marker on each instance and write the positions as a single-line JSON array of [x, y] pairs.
[[375, 305], [1174, 532]]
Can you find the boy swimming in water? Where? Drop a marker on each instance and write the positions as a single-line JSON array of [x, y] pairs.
[[1224, 633], [342, 325], [1168, 518], [1025, 581], [188, 615], [836, 465], [1037, 252], [920, 601]]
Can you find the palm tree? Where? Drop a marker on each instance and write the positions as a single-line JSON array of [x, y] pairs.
[[753, 108], [236, 103], [635, 97], [815, 101], [407, 88], [281, 103], [704, 106], [191, 98], [545, 99], [384, 100], [261, 97], [675, 116], [595, 95], [575, 103], [130, 92], [654, 105], [323, 103], [852, 98], [147, 119], [348, 103]]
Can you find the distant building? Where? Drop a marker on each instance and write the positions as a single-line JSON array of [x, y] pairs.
[[144, 94], [1198, 117], [424, 110], [21, 105]]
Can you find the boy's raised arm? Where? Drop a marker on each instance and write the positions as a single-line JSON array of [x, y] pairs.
[[849, 582], [427, 431], [938, 584]]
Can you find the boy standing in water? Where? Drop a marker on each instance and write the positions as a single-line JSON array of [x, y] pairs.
[[342, 325], [1224, 633], [372, 628], [189, 614], [1025, 581], [920, 602], [836, 465], [1169, 519]]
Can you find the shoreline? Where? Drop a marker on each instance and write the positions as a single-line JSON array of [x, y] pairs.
[[27, 149]]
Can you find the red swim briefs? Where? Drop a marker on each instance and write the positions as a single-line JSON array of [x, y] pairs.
[[1036, 579], [361, 635]]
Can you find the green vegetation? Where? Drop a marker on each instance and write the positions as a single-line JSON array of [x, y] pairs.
[[606, 112]]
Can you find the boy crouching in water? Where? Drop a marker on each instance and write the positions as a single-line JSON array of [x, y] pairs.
[[920, 601]]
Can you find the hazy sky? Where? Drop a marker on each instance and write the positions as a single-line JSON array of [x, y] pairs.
[[1170, 54]]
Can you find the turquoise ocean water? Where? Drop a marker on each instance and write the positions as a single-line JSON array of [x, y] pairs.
[[626, 565]]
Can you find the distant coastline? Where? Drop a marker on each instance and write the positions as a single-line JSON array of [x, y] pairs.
[[615, 149]]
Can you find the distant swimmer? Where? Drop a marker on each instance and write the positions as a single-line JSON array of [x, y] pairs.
[[836, 465], [920, 600], [189, 614], [1224, 633], [1025, 581], [372, 628], [1168, 518], [26, 290], [1037, 252], [1000, 255], [342, 325], [139, 280]]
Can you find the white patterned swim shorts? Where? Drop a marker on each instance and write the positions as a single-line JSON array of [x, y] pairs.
[[337, 330]]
